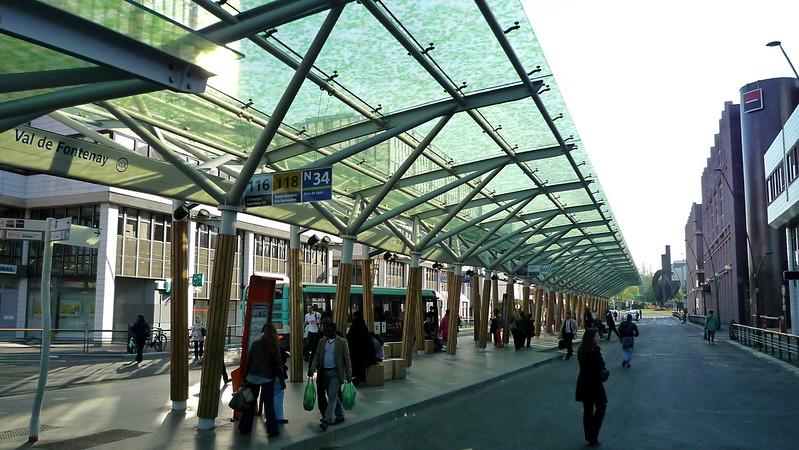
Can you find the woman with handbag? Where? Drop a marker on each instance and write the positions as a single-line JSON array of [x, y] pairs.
[[263, 369], [590, 391]]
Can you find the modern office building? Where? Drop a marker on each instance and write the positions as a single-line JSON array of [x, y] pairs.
[[781, 164]]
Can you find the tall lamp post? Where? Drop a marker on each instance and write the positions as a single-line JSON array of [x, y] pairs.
[[779, 44]]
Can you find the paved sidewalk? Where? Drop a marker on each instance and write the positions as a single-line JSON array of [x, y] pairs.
[[135, 412]]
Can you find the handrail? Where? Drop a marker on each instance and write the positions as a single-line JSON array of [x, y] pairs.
[[777, 344]]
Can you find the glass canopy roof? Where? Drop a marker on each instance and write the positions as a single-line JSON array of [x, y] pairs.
[[505, 183]]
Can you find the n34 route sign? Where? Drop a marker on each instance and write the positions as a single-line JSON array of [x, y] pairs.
[[279, 188]]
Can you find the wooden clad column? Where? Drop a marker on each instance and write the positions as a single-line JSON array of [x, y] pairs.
[[218, 306], [418, 324], [572, 304], [474, 287], [494, 292], [341, 309], [179, 310], [561, 311], [453, 298], [368, 293], [484, 312], [296, 310], [507, 312], [580, 311], [550, 310], [539, 308], [410, 316], [526, 297]]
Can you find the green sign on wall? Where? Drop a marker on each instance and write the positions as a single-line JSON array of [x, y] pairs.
[[197, 279]]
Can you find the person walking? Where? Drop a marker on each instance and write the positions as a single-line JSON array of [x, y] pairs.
[[280, 388], [332, 361], [312, 321], [711, 325], [444, 326], [263, 368], [611, 324], [567, 331], [494, 329], [588, 318], [528, 328], [517, 329], [362, 349], [628, 331], [590, 391], [140, 331], [197, 338]]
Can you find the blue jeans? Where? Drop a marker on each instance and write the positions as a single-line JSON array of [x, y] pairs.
[[279, 394], [627, 355]]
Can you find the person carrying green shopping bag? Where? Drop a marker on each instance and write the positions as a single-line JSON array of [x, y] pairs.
[[332, 361]]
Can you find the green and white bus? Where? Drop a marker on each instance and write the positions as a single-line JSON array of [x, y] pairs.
[[388, 305]]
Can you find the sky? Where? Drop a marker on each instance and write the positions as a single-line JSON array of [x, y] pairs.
[[645, 83]]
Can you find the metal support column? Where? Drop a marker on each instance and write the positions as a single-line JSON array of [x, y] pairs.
[[221, 280]]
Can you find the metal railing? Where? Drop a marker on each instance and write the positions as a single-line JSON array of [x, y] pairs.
[[697, 319], [779, 345], [88, 340]]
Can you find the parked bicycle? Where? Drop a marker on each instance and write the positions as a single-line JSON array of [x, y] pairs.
[[156, 340]]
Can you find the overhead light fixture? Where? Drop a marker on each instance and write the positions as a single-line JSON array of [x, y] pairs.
[[387, 256], [183, 211], [494, 277], [313, 240], [470, 272], [325, 241], [203, 214], [438, 266]]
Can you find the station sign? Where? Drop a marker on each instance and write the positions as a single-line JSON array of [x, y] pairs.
[[297, 186], [62, 231], [8, 269], [535, 270]]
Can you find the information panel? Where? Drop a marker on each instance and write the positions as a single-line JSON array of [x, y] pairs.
[[279, 188]]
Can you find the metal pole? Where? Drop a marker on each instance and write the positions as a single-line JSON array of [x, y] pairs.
[[44, 361], [789, 62]]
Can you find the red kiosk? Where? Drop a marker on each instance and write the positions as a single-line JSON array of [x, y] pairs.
[[259, 300]]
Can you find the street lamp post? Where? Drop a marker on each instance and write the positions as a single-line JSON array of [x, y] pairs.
[[779, 44]]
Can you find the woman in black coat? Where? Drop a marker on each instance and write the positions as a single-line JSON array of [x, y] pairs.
[[362, 349], [589, 386]]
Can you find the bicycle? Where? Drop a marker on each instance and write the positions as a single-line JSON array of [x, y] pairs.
[[156, 340]]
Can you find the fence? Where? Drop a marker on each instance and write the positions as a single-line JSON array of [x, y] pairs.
[[697, 319], [99, 341], [779, 345]]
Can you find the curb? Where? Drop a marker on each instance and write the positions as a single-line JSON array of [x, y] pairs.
[[765, 356], [331, 436]]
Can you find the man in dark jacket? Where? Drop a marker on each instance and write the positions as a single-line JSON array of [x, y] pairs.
[[611, 324], [140, 331], [628, 331]]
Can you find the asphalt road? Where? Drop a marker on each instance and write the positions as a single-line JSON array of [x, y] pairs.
[[679, 393]]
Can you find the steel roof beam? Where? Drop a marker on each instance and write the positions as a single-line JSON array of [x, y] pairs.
[[422, 199], [525, 193], [282, 107], [51, 27], [546, 243], [267, 16], [479, 220], [16, 82], [211, 188], [499, 34], [478, 247], [460, 169], [537, 214], [401, 121]]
